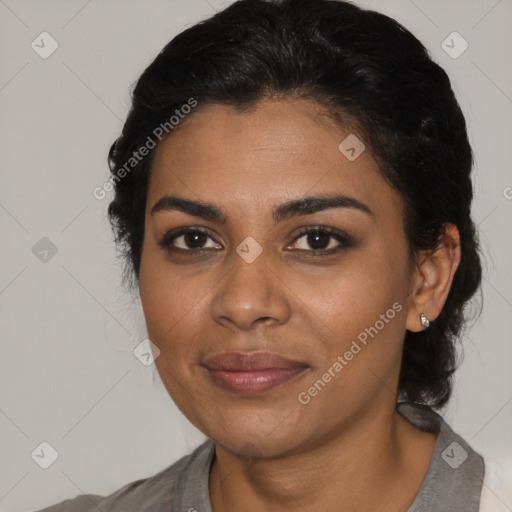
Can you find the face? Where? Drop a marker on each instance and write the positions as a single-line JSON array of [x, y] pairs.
[[279, 319]]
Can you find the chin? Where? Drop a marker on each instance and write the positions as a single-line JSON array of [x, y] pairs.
[[256, 448], [261, 434]]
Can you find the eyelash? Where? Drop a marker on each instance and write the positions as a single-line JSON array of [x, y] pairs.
[[344, 240]]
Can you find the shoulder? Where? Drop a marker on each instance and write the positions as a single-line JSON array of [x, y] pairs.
[[455, 476], [148, 494], [82, 503]]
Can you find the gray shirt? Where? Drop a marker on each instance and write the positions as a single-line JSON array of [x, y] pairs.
[[453, 482]]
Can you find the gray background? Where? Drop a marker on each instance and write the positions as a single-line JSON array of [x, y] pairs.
[[68, 375]]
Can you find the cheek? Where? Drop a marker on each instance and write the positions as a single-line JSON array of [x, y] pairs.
[[176, 311], [355, 295], [166, 301], [361, 310], [362, 306]]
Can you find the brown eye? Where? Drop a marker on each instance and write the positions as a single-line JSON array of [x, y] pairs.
[[318, 240], [193, 240], [188, 240], [322, 241]]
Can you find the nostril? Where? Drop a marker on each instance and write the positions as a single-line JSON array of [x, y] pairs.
[[264, 318]]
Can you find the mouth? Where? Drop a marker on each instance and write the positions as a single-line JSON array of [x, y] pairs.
[[251, 373]]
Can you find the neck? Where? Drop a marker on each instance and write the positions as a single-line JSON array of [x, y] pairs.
[[377, 464]]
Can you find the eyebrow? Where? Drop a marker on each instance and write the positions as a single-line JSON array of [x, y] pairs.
[[294, 208]]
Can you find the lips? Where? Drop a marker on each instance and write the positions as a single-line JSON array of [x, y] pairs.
[[251, 372]]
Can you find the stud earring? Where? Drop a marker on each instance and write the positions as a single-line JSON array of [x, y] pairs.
[[424, 320]]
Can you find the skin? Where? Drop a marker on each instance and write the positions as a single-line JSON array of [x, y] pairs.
[[347, 449]]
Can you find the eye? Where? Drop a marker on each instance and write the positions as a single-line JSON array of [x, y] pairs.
[[322, 240], [190, 239]]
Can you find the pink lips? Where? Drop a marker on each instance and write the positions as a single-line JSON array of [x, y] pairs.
[[251, 373]]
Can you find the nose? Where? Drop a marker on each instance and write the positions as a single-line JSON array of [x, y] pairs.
[[250, 294]]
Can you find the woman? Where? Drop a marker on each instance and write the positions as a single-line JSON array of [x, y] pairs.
[[293, 195]]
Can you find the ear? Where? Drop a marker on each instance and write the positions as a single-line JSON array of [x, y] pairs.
[[432, 278]]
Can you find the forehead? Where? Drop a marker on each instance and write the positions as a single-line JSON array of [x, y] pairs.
[[279, 150]]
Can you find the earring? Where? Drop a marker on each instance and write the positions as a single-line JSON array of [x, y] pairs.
[[424, 320]]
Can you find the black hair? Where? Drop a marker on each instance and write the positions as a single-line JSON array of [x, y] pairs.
[[369, 72]]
